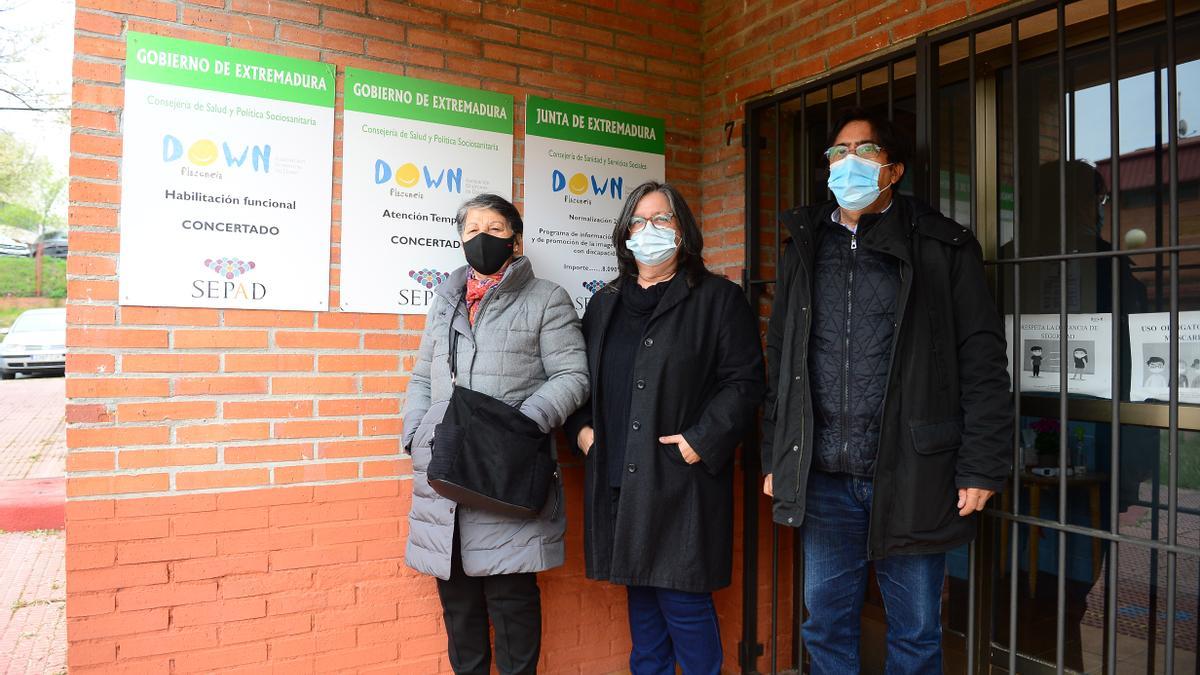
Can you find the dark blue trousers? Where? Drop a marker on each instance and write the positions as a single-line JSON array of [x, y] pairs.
[[670, 627], [837, 512]]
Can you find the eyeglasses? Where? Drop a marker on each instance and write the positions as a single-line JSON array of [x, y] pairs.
[[659, 220], [864, 150]]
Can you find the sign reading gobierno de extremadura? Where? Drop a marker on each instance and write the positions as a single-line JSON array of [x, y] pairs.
[[414, 151], [226, 177]]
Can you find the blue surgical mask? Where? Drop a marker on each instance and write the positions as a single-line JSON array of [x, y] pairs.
[[652, 245], [854, 182]]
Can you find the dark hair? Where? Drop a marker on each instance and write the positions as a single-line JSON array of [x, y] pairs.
[[688, 258], [494, 202], [1152, 359], [884, 131], [1037, 347]]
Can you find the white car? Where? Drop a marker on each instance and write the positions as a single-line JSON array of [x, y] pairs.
[[12, 247], [36, 343]]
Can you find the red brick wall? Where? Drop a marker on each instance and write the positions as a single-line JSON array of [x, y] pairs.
[[237, 492], [238, 497]]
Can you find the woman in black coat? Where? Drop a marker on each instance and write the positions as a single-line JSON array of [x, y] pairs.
[[676, 377]]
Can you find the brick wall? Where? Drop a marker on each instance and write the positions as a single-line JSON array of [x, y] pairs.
[[238, 497], [237, 492]]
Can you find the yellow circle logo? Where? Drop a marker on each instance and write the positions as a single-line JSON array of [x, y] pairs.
[[407, 175], [577, 184], [203, 153]]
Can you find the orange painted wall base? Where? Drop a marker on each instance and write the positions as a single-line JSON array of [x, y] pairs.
[[295, 580]]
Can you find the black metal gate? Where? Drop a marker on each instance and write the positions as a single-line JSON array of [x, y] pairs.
[[1059, 132]]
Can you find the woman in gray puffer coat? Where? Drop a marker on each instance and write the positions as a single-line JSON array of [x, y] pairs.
[[519, 342]]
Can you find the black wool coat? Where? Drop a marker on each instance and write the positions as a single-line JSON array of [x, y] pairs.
[[698, 372], [946, 419]]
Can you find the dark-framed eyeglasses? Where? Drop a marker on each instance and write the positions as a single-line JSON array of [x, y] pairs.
[[865, 150]]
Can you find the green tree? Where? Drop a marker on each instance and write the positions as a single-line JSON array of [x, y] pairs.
[[49, 191], [18, 169], [31, 191]]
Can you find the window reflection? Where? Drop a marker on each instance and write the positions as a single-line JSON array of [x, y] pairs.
[[1059, 192]]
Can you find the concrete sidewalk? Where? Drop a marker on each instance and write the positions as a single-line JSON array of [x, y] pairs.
[[33, 439], [33, 626]]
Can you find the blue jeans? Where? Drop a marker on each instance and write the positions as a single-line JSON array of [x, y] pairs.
[[669, 626], [837, 512]]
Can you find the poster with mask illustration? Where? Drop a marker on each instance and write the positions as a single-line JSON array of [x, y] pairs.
[[414, 151], [226, 177], [1150, 357], [1087, 361], [580, 164]]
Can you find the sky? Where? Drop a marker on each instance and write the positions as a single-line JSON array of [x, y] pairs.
[[1136, 114], [45, 33]]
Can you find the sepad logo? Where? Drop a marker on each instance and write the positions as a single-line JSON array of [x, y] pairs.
[[429, 278], [230, 270]]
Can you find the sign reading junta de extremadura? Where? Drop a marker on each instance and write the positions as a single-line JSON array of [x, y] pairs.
[[581, 162]]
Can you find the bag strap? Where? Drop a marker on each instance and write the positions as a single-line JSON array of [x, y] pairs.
[[452, 356]]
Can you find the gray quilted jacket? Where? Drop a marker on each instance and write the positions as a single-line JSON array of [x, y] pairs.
[[525, 349]]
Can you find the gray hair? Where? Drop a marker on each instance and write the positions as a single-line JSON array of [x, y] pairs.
[[494, 202]]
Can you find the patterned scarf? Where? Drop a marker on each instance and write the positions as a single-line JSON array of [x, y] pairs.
[[478, 286]]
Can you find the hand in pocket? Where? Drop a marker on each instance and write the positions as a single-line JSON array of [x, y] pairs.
[[685, 449]]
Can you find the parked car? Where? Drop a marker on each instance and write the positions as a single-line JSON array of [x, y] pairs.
[[54, 244], [12, 247], [36, 343]]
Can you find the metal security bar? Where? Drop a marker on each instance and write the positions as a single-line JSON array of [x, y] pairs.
[[962, 91]]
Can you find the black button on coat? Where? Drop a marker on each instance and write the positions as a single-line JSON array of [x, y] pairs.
[[702, 366]]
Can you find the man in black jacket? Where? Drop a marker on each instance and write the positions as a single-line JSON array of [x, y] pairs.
[[888, 420]]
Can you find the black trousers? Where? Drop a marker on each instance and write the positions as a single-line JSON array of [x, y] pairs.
[[514, 604]]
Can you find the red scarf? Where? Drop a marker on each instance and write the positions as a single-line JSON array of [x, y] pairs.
[[478, 286]]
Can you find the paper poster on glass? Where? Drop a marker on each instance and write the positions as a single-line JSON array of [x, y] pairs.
[[226, 177], [1150, 357], [1087, 360], [415, 150], [580, 164]]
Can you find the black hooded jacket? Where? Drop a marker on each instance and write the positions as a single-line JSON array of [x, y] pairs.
[[944, 415]]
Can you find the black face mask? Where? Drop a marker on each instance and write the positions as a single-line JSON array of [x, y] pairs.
[[487, 253]]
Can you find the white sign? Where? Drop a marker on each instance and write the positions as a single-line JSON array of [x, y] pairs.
[[1149, 346], [580, 164], [226, 177], [1088, 358], [415, 150]]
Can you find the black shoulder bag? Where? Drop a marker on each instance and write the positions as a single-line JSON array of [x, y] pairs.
[[488, 455]]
